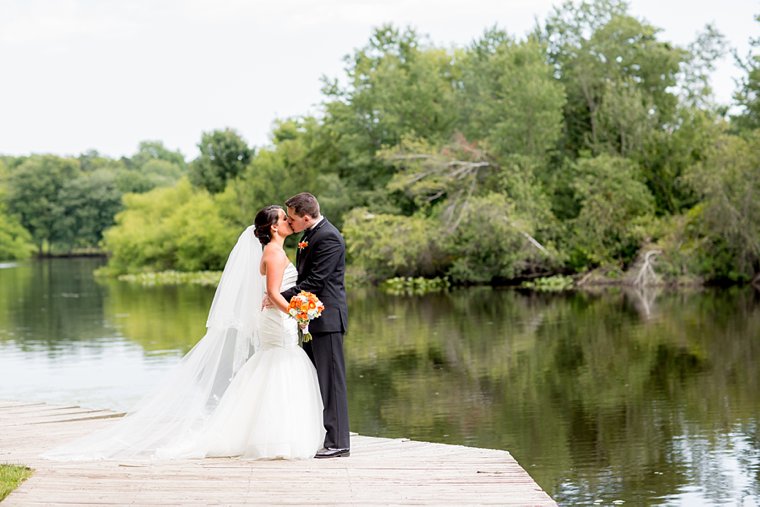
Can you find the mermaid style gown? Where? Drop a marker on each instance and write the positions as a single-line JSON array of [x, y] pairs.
[[273, 407]]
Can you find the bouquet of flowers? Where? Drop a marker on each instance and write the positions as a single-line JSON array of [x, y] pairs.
[[305, 307]]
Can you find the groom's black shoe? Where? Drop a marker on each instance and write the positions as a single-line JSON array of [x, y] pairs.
[[330, 452]]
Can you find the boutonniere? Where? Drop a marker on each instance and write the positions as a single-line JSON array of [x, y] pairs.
[[302, 245]]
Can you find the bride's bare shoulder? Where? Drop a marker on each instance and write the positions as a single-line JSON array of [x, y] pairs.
[[273, 253], [273, 249]]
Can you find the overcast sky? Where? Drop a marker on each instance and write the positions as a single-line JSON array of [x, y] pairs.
[[106, 74]]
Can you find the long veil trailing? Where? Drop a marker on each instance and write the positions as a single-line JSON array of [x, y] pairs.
[[177, 410]]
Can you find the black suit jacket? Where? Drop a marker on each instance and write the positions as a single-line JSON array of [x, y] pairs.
[[321, 269]]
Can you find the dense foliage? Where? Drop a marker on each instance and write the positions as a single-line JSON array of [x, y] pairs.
[[583, 145], [61, 205]]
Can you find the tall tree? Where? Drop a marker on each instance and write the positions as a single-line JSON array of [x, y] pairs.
[[224, 156], [602, 54], [34, 194], [508, 97], [397, 86], [748, 95], [148, 151], [152, 166], [298, 161], [613, 201], [90, 202], [726, 223], [15, 241]]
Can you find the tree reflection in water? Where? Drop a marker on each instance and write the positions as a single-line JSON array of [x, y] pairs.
[[642, 396]]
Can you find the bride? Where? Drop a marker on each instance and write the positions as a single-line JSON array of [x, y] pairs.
[[217, 401]]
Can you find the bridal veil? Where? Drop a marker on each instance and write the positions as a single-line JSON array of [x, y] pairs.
[[177, 410]]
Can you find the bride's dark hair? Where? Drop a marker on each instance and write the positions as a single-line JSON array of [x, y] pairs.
[[264, 221]]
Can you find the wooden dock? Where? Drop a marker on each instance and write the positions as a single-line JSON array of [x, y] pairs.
[[380, 471]]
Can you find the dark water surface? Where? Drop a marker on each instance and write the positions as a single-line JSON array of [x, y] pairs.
[[605, 398]]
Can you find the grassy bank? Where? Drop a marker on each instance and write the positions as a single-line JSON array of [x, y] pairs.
[[10, 478], [420, 285], [210, 278]]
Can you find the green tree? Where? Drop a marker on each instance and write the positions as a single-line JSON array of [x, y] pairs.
[[600, 53], [90, 203], [148, 151], [275, 173], [152, 166], [381, 246], [455, 183], [15, 241], [614, 204], [34, 195], [153, 174], [748, 95], [493, 242], [169, 228], [669, 150], [726, 223], [92, 160], [224, 155], [508, 96], [668, 155], [696, 71], [397, 86]]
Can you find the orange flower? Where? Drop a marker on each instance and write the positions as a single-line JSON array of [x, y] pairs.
[[302, 245], [305, 307]]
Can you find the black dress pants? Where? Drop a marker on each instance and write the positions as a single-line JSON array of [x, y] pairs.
[[326, 352]]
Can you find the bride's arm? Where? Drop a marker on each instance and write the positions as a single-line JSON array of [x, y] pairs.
[[275, 261]]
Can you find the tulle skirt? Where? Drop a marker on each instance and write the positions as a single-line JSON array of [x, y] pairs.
[[272, 409]]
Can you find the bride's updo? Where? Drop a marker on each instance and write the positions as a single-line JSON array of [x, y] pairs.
[[264, 221]]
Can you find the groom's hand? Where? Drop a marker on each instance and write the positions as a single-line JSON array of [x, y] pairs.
[[266, 302]]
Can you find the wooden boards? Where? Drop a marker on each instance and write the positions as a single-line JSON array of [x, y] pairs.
[[380, 471]]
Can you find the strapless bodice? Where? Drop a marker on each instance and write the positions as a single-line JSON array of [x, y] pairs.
[[278, 329], [289, 277]]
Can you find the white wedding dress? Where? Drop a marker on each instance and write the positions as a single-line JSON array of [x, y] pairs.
[[273, 408], [217, 401]]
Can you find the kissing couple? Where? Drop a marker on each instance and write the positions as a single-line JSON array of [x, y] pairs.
[[247, 388]]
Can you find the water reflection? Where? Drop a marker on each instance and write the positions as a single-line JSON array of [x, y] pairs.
[[49, 304], [163, 320], [644, 397]]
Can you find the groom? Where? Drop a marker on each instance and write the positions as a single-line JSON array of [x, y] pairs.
[[321, 263]]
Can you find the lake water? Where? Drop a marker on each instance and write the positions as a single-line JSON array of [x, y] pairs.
[[604, 398]]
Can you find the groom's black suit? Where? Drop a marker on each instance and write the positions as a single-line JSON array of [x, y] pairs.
[[321, 268]]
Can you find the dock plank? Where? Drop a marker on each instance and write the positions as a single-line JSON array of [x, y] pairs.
[[380, 471]]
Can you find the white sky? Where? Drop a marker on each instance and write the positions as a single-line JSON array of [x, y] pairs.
[[106, 74]]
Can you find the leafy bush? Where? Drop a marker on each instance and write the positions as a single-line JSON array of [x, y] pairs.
[[409, 286], [728, 229], [206, 278], [556, 283], [15, 241], [492, 241], [615, 205], [384, 246], [169, 228]]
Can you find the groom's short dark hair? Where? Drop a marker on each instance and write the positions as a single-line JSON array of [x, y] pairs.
[[304, 204]]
